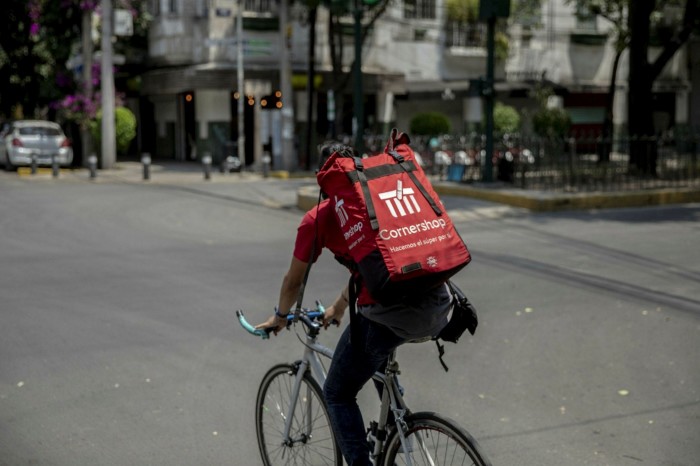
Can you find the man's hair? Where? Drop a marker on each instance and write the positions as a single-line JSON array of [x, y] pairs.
[[329, 148]]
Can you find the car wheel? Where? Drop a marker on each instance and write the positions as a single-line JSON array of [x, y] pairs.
[[8, 165]]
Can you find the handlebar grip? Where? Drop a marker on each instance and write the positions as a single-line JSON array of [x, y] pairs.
[[262, 333]]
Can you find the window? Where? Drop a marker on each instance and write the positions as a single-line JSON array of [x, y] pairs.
[[419, 9], [585, 19], [160, 7], [460, 34], [260, 6], [201, 9]]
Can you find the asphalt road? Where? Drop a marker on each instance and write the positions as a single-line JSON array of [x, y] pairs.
[[119, 344]]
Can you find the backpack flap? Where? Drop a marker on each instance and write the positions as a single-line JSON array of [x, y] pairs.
[[397, 232]]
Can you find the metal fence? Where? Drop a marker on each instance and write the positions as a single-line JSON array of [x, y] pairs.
[[575, 164]]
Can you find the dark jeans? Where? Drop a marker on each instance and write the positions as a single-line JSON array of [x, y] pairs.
[[350, 370]]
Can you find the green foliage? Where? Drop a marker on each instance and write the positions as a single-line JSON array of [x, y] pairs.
[[430, 124], [125, 128], [505, 118], [551, 122], [38, 38], [527, 12], [502, 45], [466, 11]]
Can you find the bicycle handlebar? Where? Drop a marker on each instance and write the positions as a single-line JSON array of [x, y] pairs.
[[307, 316]]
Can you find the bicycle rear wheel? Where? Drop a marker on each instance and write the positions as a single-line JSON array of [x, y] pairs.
[[433, 440], [311, 441]]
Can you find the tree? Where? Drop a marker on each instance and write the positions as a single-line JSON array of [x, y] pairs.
[[39, 38], [615, 12], [506, 119], [34, 47], [633, 23], [644, 71], [341, 79], [125, 128], [430, 124]]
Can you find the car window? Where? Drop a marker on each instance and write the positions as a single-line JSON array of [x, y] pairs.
[[39, 131]]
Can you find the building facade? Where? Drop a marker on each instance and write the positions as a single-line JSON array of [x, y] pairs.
[[415, 58]]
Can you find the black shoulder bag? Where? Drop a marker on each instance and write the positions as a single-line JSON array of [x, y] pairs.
[[463, 318]]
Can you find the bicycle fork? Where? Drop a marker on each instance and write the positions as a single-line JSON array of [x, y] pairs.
[[300, 369]]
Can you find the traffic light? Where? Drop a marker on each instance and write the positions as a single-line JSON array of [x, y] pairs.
[[271, 101]]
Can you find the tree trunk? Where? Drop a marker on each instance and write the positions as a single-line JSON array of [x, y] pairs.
[[607, 136], [643, 151], [643, 148]]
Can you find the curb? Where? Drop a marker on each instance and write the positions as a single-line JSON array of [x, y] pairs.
[[539, 201]]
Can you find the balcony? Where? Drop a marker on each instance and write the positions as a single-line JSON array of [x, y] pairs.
[[465, 35]]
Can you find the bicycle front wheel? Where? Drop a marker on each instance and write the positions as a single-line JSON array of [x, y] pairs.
[[310, 441], [435, 441]]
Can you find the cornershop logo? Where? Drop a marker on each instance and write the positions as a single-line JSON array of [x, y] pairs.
[[400, 201]]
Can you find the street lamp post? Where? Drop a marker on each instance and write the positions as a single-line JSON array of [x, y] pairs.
[[109, 145], [287, 113], [87, 51], [489, 10], [359, 107], [241, 82]]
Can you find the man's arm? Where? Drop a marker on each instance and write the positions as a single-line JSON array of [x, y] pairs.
[[293, 279], [289, 291]]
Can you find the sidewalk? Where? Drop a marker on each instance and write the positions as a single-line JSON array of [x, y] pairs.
[[175, 173]]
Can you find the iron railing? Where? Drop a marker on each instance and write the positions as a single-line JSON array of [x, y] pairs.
[[573, 164]]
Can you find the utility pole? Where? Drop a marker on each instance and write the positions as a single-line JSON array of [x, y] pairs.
[[489, 10], [109, 146], [241, 83], [487, 175], [358, 96], [288, 162], [87, 51]]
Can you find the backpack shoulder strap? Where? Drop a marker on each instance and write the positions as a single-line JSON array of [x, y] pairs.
[[362, 178]]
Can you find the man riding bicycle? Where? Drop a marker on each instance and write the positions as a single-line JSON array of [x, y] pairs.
[[378, 331]]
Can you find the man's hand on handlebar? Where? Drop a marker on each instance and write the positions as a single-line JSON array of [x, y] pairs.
[[277, 323], [333, 315]]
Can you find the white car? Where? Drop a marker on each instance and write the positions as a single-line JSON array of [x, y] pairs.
[[42, 141]]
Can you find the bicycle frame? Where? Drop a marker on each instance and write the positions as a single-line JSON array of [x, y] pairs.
[[391, 401]]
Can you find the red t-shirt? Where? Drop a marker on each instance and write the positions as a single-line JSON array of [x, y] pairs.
[[328, 235]]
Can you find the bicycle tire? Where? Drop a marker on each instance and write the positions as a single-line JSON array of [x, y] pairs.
[[314, 443], [434, 440]]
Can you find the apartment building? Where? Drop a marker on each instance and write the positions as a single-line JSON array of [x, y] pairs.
[[415, 58]]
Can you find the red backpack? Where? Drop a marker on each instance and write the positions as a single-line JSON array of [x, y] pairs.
[[397, 231]]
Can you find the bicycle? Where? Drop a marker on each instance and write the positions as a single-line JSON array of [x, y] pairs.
[[292, 425]]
